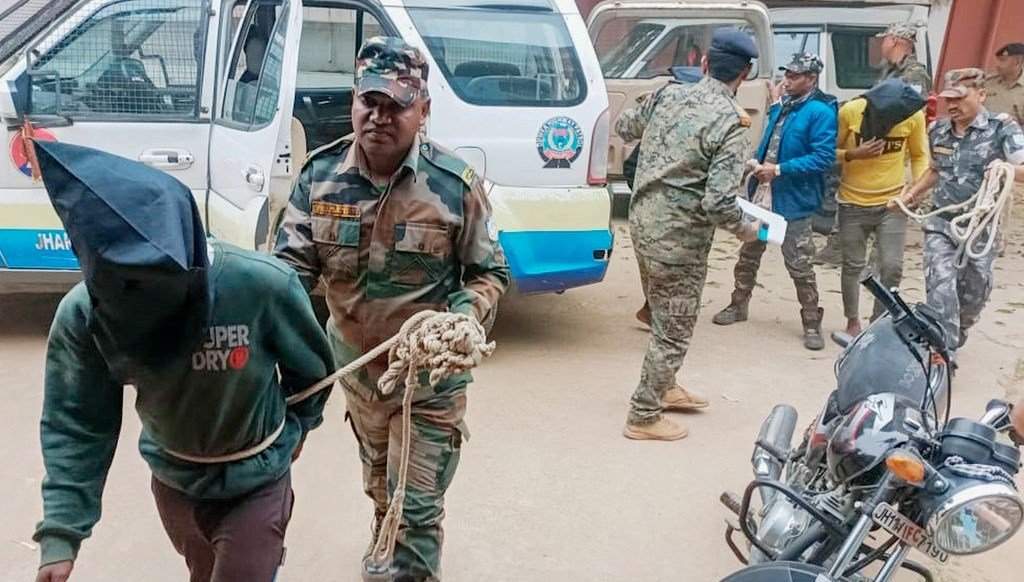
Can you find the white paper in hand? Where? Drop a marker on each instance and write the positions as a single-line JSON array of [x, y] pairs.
[[775, 224]]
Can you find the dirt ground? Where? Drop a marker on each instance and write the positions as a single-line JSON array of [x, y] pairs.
[[548, 489]]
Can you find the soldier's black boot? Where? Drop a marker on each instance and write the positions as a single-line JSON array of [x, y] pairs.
[[812, 328], [736, 311]]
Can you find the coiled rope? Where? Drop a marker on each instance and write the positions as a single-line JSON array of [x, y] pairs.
[[989, 207], [445, 344]]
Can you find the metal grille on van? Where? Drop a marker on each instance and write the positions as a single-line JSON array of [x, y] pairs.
[[135, 58]]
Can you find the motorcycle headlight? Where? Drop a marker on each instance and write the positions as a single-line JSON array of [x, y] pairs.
[[975, 518]]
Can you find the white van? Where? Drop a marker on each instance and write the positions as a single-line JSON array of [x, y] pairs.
[[844, 38], [228, 98]]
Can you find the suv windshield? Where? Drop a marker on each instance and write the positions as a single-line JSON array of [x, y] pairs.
[[644, 48], [506, 57]]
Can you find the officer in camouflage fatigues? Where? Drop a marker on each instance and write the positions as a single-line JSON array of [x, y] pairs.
[[387, 249], [960, 153], [902, 37], [695, 140]]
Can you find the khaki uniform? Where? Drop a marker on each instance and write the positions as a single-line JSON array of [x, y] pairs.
[[1005, 98], [424, 241]]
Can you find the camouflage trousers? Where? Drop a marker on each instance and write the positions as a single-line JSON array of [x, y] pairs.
[[797, 252], [958, 293], [438, 430], [673, 292]]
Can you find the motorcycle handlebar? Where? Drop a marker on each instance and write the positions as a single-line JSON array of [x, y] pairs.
[[925, 330]]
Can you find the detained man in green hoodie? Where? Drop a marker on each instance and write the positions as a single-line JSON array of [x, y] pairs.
[[213, 339]]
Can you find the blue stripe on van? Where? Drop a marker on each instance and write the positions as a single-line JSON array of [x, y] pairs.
[[36, 249], [546, 261]]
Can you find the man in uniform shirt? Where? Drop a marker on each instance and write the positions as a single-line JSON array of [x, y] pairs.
[[898, 45], [395, 225], [1005, 87], [695, 141], [962, 147]]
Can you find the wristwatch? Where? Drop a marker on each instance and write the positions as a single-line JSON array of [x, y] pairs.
[[778, 170]]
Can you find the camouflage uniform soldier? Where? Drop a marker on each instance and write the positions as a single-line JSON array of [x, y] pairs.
[[394, 225], [898, 43], [695, 140], [962, 146]]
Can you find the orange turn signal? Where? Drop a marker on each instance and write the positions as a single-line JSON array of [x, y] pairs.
[[906, 467]]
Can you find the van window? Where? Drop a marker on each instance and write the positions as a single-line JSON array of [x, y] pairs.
[[795, 42], [331, 37], [130, 59], [653, 46], [251, 94], [858, 55], [506, 57]]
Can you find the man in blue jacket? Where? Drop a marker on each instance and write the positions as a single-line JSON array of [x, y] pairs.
[[796, 152]]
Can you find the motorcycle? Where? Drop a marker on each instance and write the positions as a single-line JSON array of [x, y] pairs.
[[882, 457]]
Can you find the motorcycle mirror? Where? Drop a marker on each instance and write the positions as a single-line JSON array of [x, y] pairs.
[[997, 414]]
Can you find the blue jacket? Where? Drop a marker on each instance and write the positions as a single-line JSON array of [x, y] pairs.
[[806, 154]]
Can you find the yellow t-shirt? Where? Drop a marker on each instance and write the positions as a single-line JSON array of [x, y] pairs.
[[874, 181]]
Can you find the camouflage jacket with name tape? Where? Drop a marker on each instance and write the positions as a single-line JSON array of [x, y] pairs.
[[426, 240]]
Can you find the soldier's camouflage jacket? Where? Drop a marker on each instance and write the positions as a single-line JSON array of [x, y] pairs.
[[911, 71], [695, 142], [427, 241], [961, 161]]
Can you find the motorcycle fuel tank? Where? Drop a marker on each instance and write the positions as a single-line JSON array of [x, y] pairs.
[[874, 426]]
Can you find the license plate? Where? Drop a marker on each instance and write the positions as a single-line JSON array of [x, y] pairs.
[[913, 535]]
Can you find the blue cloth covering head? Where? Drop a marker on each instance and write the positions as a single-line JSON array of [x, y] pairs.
[[139, 240], [730, 52]]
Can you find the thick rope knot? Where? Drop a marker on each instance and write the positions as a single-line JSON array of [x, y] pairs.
[[982, 214], [445, 344]]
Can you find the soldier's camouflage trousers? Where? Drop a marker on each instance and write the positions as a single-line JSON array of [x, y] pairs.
[[673, 292], [959, 294], [797, 252], [438, 430]]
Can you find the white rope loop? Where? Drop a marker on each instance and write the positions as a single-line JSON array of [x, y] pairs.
[[446, 344], [984, 213]]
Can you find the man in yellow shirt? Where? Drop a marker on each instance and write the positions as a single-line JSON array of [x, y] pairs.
[[877, 134]]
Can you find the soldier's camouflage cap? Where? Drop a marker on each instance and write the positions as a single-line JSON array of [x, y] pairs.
[[804, 63], [957, 81], [391, 66], [901, 29]]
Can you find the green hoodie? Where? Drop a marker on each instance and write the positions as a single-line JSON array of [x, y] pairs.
[[224, 397]]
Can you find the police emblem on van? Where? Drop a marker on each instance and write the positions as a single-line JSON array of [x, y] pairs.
[[19, 151], [559, 142]]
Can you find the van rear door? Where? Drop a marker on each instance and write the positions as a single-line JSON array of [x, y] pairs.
[[251, 136], [124, 77], [638, 42]]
